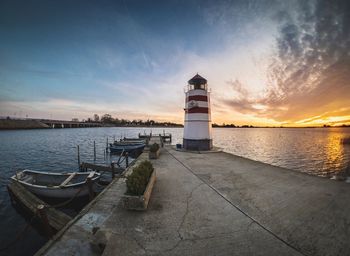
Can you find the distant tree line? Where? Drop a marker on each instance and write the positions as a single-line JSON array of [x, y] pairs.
[[107, 119], [231, 126]]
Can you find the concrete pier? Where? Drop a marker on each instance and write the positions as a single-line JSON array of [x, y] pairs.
[[215, 204]]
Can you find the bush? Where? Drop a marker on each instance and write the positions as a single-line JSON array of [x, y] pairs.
[[136, 182], [154, 147]]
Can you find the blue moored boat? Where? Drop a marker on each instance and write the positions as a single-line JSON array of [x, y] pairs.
[[126, 147]]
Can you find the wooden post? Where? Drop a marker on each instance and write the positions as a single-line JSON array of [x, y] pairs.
[[78, 157], [94, 151], [127, 159], [45, 220], [113, 171], [161, 140], [90, 188]]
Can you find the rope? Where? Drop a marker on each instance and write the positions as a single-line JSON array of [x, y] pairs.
[[65, 202], [237, 207], [121, 154], [119, 162]]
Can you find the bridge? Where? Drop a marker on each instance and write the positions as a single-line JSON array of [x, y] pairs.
[[68, 124]]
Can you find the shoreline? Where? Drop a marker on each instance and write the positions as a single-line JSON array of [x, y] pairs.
[[16, 124], [12, 124], [30, 124]]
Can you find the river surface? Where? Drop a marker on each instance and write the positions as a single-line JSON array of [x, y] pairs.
[[316, 151]]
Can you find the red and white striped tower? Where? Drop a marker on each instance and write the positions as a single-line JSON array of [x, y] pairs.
[[197, 131]]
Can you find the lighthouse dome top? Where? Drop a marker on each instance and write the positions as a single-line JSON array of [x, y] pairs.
[[197, 80]]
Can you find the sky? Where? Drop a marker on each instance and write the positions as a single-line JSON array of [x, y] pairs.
[[267, 62]]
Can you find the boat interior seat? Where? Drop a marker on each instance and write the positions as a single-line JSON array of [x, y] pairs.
[[23, 176], [91, 174], [66, 181]]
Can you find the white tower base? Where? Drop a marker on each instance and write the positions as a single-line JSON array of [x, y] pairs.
[[204, 144]]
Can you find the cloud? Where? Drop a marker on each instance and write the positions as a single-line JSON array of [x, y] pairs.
[[57, 108], [266, 61], [308, 73]]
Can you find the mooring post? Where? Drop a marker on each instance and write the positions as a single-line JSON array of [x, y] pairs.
[[90, 188], [94, 151], [113, 138], [78, 157], [45, 220], [113, 171], [161, 140], [127, 159]]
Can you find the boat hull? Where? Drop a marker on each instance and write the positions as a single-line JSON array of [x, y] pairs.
[[76, 191], [126, 148], [56, 185]]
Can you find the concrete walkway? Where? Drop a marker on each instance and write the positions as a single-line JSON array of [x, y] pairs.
[[216, 204], [310, 213]]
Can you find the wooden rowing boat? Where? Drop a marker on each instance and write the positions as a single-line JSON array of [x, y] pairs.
[[56, 185]]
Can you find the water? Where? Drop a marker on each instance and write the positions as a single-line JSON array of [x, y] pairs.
[[315, 151]]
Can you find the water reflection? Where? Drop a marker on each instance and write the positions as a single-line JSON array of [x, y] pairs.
[[317, 151], [334, 154]]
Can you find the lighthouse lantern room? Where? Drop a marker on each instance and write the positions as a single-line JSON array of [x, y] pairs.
[[197, 130]]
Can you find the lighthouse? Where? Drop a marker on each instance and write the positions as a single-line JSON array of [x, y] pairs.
[[197, 130]]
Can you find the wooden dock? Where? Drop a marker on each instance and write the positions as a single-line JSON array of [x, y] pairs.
[[166, 137], [114, 171], [100, 168], [56, 219]]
